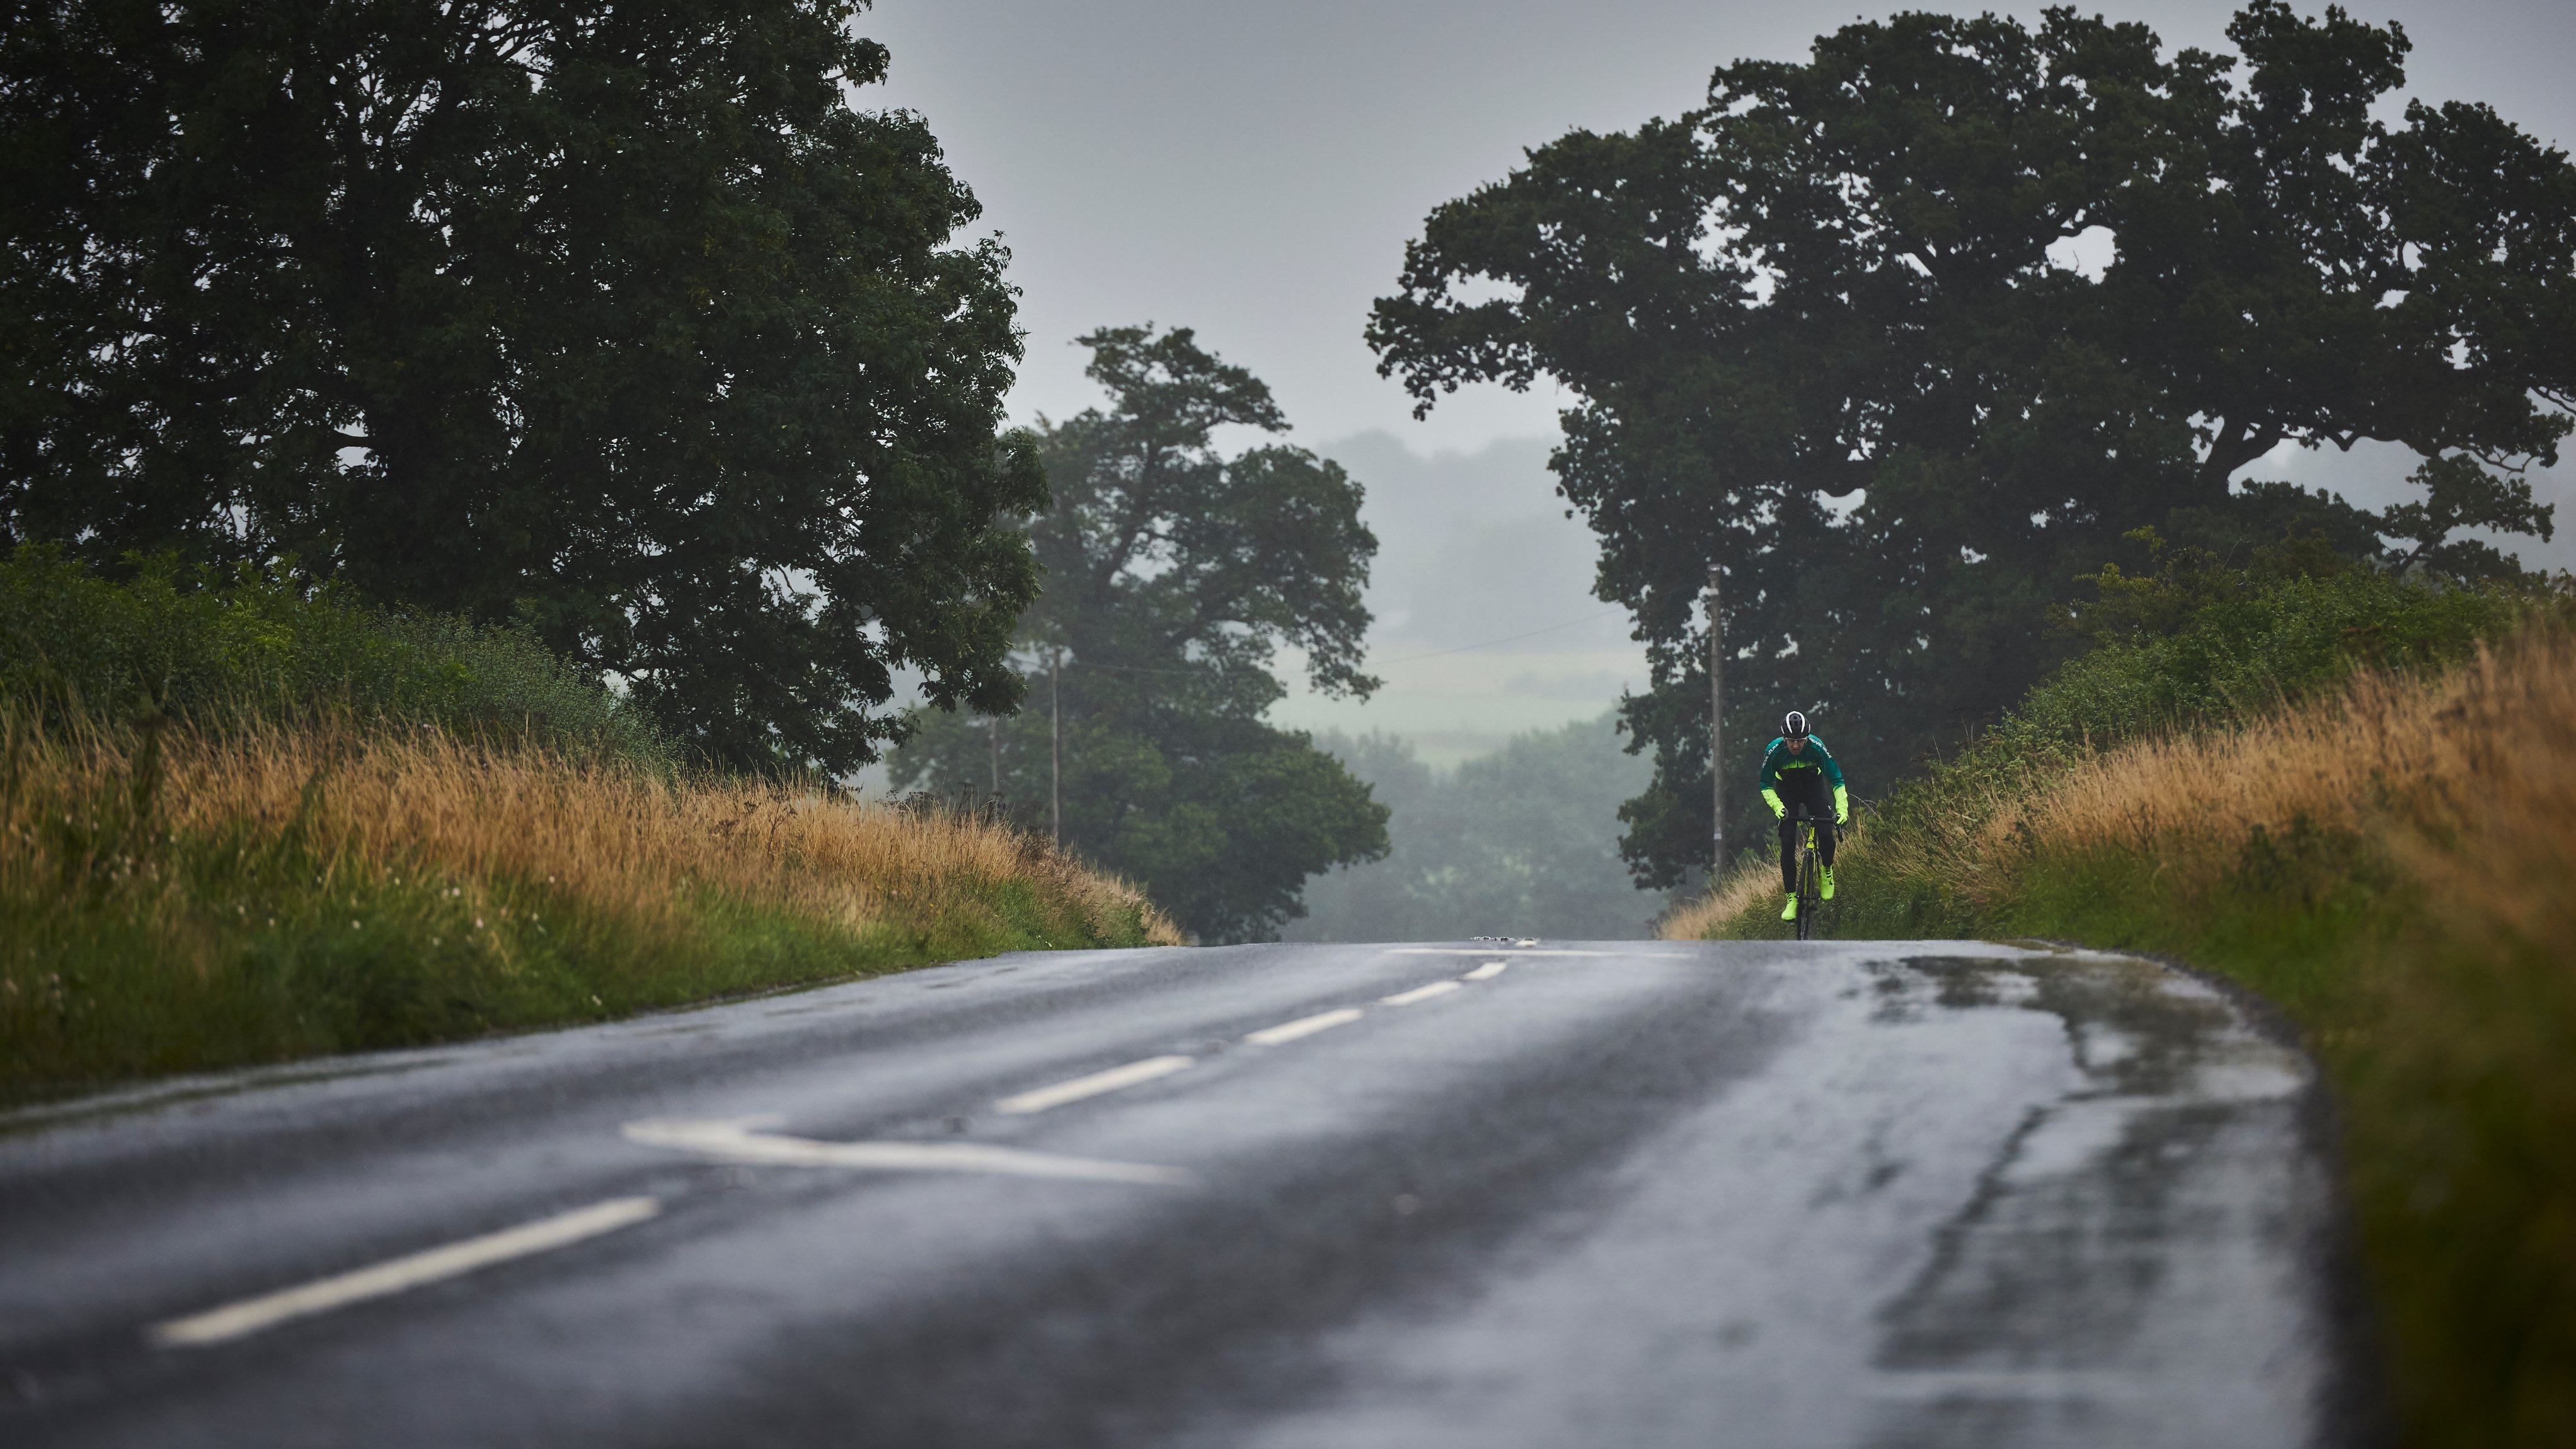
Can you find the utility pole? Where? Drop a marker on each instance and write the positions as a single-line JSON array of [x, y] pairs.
[[1055, 744], [1716, 718]]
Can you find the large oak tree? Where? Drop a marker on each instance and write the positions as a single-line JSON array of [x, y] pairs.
[[619, 317], [1829, 333]]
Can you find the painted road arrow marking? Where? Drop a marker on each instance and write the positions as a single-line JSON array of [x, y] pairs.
[[738, 1139]]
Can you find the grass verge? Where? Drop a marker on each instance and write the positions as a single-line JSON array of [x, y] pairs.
[[2389, 862], [215, 649], [178, 899]]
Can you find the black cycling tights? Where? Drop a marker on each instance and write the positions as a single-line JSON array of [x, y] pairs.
[[1820, 807]]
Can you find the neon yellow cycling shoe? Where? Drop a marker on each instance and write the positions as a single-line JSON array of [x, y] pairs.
[[1789, 912], [1829, 883]]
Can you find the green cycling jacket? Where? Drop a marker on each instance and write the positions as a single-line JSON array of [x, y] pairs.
[[1813, 761]]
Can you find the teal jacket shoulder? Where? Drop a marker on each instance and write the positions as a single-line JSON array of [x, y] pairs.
[[1815, 758]]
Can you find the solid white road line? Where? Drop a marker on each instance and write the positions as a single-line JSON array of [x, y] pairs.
[[1095, 1084], [1419, 993], [1488, 971], [735, 1140], [1288, 1031], [253, 1314]]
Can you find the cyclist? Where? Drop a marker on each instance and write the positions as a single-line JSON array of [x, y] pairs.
[[1796, 768]]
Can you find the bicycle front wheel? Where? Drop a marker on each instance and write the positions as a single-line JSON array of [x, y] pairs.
[[1807, 893]]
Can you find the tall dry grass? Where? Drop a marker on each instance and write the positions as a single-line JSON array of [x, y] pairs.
[[172, 899], [1741, 893], [608, 835], [601, 834], [2465, 777]]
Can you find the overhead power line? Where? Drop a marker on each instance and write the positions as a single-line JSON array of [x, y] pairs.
[[1490, 643], [1405, 659]]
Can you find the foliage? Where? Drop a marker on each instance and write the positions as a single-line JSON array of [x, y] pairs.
[[2235, 659], [1173, 577], [1158, 551], [615, 318], [1826, 334], [267, 646], [2460, 494], [1520, 842]]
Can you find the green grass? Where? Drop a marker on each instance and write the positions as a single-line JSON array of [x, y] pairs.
[[216, 650]]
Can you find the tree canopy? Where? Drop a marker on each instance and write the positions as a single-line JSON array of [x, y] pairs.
[[1833, 333], [1174, 575], [1160, 553], [614, 317]]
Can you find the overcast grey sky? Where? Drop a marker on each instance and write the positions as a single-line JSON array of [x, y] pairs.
[[1254, 170]]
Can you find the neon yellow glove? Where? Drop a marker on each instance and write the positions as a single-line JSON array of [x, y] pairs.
[[1842, 805], [1778, 810]]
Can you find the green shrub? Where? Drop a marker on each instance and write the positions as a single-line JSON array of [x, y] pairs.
[[211, 650], [2229, 662]]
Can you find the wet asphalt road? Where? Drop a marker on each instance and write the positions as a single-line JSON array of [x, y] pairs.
[[1631, 1194]]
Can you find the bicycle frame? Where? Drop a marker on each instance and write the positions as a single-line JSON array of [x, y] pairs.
[[1808, 881]]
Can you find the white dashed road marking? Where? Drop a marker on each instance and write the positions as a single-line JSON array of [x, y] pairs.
[[249, 1316], [1288, 1031], [1488, 971], [738, 1140], [1419, 993], [1095, 1084]]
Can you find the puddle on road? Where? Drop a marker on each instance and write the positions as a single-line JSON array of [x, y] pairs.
[[2134, 1026], [2033, 1319]]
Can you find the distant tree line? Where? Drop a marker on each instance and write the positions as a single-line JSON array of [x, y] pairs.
[[1825, 334], [1519, 842]]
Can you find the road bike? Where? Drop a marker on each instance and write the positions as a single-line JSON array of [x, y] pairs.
[[1810, 874]]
